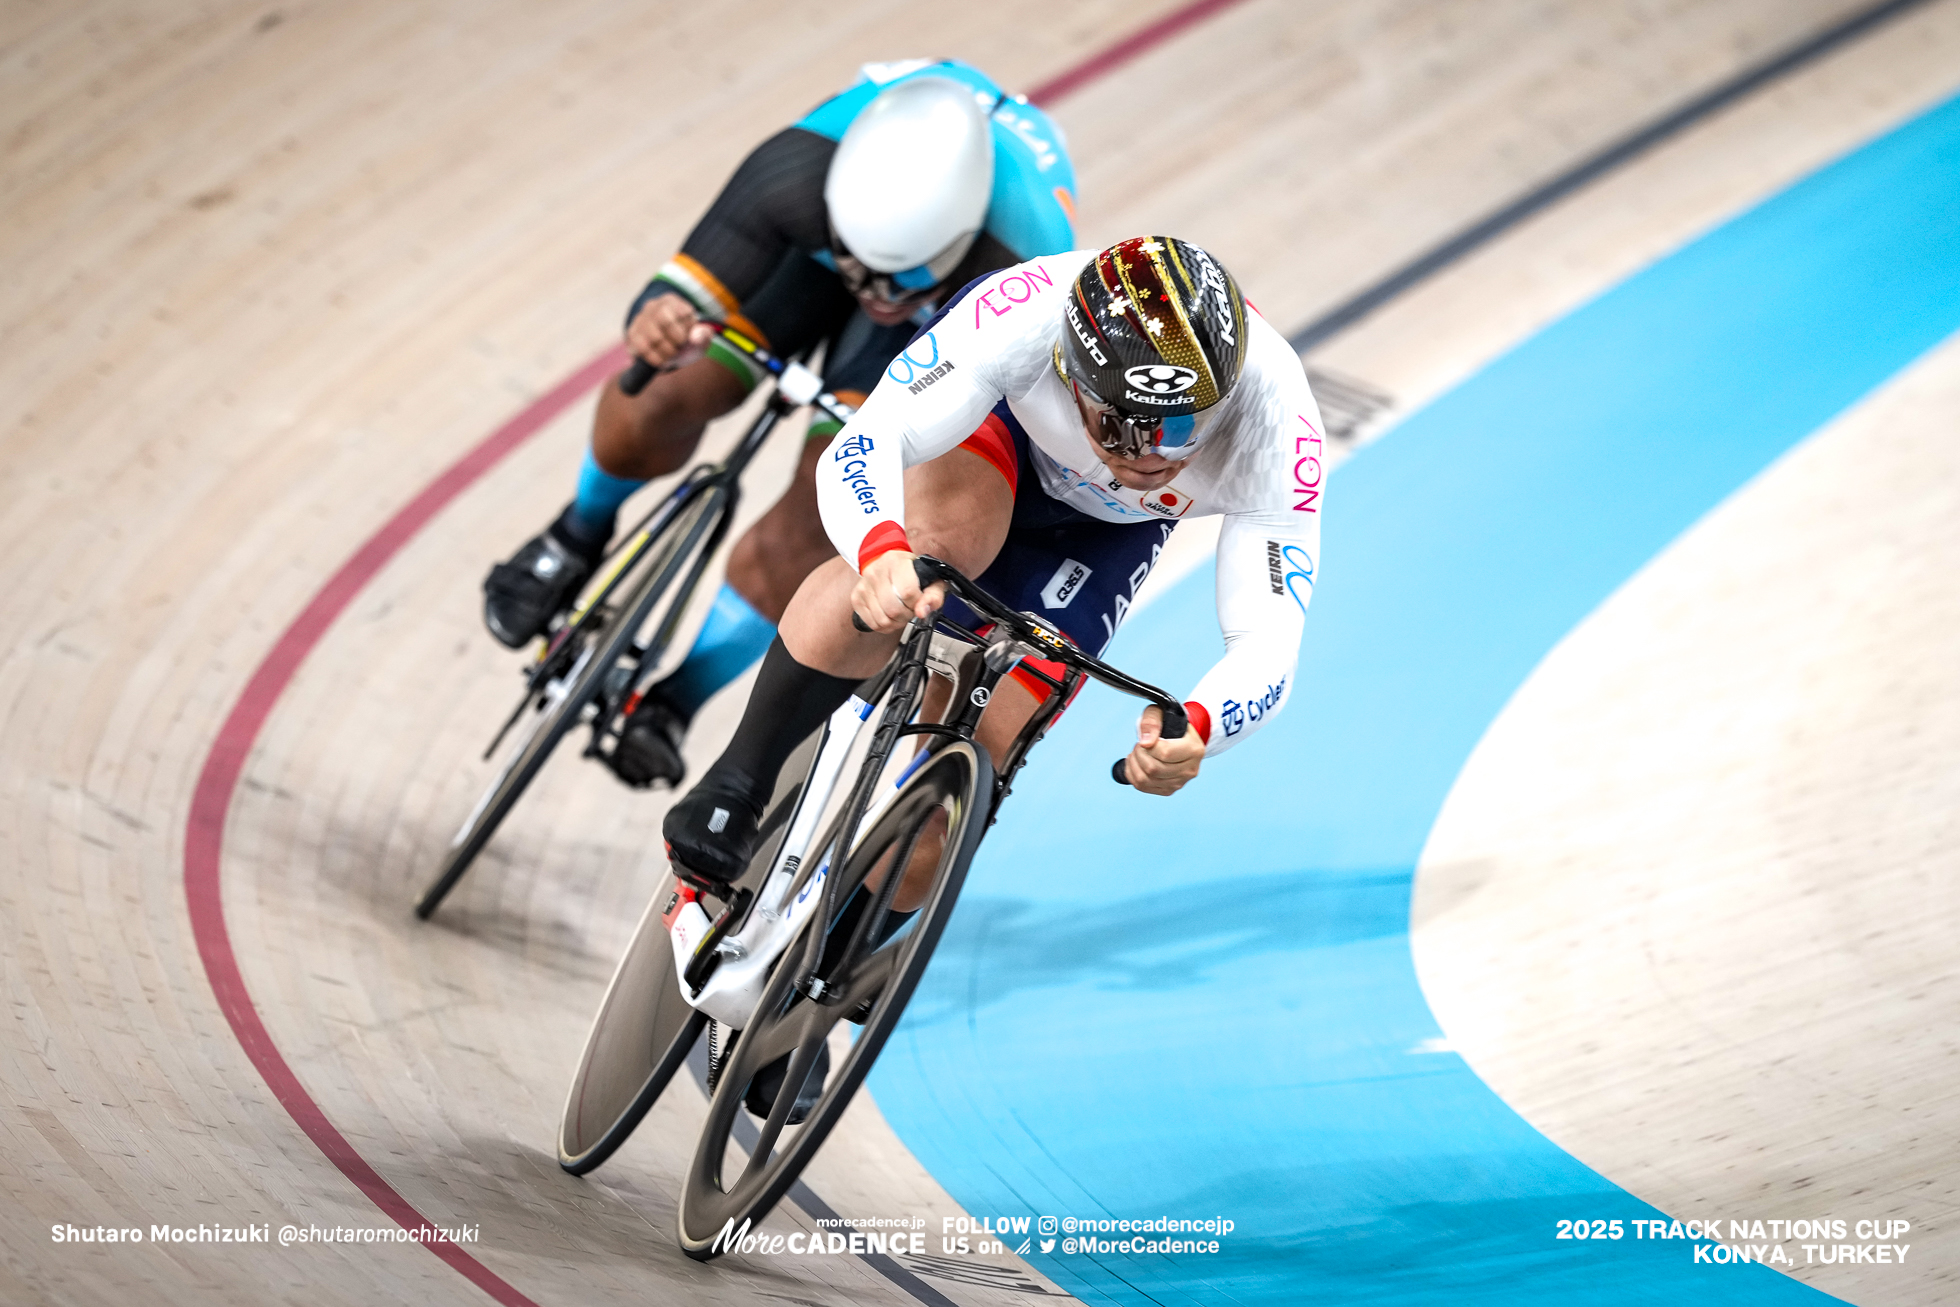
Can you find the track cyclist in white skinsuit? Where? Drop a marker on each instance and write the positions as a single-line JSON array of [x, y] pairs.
[[1043, 434]]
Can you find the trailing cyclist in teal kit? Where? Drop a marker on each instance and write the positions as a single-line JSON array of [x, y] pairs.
[[846, 230]]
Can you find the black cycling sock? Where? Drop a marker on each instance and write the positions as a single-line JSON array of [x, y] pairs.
[[788, 702], [573, 531]]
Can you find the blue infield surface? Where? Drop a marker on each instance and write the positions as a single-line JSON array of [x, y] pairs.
[[1206, 1007]]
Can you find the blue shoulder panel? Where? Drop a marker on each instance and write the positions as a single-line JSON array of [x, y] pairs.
[[1032, 210]]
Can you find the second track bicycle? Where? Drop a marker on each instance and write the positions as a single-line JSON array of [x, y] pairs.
[[593, 668]]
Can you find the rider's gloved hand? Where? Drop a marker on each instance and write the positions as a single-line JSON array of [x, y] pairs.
[[887, 593], [667, 329], [1160, 766]]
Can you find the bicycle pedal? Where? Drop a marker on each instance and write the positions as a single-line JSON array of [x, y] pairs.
[[694, 880]]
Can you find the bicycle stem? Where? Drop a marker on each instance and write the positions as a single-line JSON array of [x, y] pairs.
[[1042, 640]]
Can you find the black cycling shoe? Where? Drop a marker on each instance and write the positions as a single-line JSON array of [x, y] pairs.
[[521, 596], [768, 1084], [649, 747], [711, 834]]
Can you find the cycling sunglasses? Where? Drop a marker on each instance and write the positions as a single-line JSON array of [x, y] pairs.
[[1129, 435], [905, 287]]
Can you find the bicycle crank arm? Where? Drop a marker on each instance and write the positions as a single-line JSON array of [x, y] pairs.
[[707, 954]]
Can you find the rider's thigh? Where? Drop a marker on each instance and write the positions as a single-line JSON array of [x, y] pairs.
[[816, 627], [784, 545], [1007, 712], [958, 508], [652, 433]]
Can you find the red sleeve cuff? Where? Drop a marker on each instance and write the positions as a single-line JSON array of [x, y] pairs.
[[1200, 719], [882, 539]]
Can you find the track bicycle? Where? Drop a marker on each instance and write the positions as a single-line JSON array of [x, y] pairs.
[[808, 942], [593, 667]]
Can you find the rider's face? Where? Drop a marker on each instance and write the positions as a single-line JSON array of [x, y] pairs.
[[1146, 473], [884, 312]]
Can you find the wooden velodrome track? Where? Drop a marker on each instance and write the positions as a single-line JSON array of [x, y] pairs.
[[269, 272]]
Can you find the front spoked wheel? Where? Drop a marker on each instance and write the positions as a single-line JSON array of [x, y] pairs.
[[563, 701], [872, 961], [599, 667]]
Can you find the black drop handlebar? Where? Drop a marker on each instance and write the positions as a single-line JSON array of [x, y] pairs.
[[640, 372], [1026, 629]]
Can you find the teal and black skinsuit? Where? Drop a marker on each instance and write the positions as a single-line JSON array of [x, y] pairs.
[[760, 257], [760, 260]]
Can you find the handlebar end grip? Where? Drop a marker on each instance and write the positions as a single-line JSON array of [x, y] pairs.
[[635, 378], [858, 622], [1117, 771], [1176, 723]]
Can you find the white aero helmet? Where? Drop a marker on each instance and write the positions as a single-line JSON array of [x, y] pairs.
[[908, 188]]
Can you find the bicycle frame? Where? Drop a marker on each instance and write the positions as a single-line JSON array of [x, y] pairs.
[[724, 964], [587, 674], [796, 386]]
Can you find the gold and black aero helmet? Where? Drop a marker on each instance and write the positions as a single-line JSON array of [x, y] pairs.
[[1154, 332]]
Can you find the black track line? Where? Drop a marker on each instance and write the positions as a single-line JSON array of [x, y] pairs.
[[1590, 169]]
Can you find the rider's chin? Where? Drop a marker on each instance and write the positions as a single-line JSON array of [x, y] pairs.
[[883, 313], [1134, 479]]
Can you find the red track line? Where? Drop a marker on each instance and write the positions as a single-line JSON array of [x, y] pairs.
[[211, 802], [204, 832], [1126, 49]]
